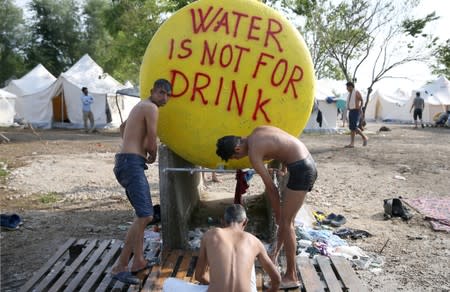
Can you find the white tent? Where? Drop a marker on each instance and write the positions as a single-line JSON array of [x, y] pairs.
[[32, 91], [66, 93], [437, 98], [34, 81], [389, 106], [7, 111], [122, 104], [327, 91]]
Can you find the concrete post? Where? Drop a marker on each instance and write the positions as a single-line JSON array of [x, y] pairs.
[[179, 196]]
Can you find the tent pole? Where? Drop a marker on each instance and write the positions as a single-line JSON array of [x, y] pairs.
[[62, 106]]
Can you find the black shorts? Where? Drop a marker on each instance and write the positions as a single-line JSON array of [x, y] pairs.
[[417, 113], [302, 174]]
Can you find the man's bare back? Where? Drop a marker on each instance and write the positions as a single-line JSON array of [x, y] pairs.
[[267, 143], [139, 133], [230, 254]]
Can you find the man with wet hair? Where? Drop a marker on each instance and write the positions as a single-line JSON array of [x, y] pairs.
[[139, 148], [227, 257], [267, 143]]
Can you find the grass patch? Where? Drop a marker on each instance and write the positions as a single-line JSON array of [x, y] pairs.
[[3, 173], [49, 198]]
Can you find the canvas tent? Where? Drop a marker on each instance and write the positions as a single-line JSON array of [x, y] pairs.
[[66, 93], [7, 111], [123, 103], [437, 98], [327, 91], [389, 106], [32, 91], [34, 81]]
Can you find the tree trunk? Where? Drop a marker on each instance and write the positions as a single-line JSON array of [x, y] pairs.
[[362, 119]]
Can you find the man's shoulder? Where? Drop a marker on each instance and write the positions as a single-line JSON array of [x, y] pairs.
[[148, 104]]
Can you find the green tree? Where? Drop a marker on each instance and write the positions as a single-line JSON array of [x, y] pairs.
[[12, 39], [174, 5], [313, 10], [56, 34], [132, 24], [96, 40], [377, 33], [442, 54]]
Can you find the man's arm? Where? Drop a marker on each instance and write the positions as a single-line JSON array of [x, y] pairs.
[[269, 267], [151, 125], [201, 270], [272, 191], [359, 100]]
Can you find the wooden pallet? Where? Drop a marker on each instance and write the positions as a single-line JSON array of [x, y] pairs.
[[85, 265]]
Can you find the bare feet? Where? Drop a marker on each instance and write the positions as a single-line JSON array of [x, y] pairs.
[[349, 146], [365, 141]]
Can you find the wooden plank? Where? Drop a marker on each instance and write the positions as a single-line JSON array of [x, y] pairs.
[[259, 279], [166, 269], [190, 275], [58, 268], [99, 270], [332, 282], [40, 273], [151, 279], [87, 266], [104, 284], [118, 285], [347, 275], [311, 280], [75, 264], [50, 277], [154, 274], [183, 268]]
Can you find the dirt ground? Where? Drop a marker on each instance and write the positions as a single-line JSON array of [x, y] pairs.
[[61, 183]]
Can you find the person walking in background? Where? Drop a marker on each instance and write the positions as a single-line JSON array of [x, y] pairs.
[[418, 105], [139, 148], [354, 105], [87, 101]]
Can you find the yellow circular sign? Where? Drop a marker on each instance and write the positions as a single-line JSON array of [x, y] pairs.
[[234, 65]]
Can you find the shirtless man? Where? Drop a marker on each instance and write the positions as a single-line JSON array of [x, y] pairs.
[[267, 143], [354, 106], [230, 255], [139, 148]]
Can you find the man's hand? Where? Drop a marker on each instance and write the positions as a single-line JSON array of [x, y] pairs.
[[150, 158]]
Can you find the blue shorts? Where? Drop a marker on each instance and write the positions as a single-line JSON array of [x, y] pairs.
[[353, 119], [129, 170], [302, 174]]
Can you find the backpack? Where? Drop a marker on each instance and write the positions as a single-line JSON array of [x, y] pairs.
[[395, 208]]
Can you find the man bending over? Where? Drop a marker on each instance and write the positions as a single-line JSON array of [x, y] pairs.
[[267, 143]]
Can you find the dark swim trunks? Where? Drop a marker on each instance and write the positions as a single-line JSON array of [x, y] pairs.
[[353, 119], [417, 113], [129, 170], [302, 174]]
